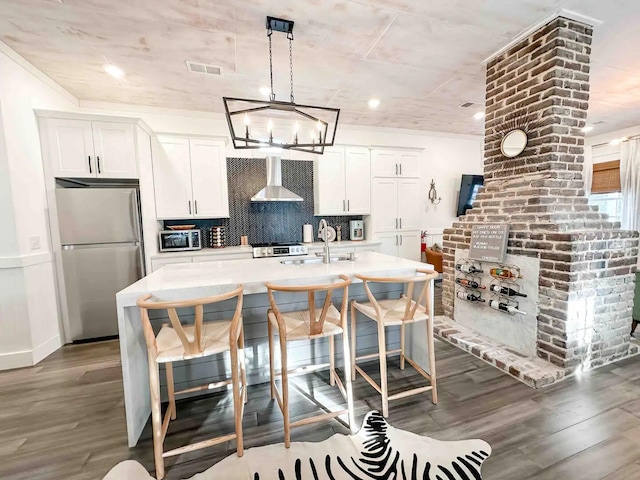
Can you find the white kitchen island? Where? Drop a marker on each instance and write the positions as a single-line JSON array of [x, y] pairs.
[[192, 280]]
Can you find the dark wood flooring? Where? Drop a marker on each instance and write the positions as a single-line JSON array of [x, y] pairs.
[[64, 419]]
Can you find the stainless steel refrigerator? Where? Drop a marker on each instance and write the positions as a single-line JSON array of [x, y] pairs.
[[101, 238]]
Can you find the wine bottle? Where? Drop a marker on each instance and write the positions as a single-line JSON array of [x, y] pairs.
[[503, 273], [466, 268], [505, 291], [496, 305], [470, 297], [469, 283]]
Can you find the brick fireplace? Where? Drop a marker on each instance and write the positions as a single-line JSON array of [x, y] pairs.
[[586, 263]]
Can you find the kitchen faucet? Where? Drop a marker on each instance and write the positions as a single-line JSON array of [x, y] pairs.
[[326, 256]]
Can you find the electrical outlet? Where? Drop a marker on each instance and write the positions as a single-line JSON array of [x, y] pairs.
[[34, 243]]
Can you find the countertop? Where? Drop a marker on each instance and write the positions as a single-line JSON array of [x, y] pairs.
[[240, 249], [191, 280]]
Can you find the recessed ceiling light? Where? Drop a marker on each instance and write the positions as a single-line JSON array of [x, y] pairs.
[[374, 103], [115, 72], [587, 128], [265, 91], [479, 115]]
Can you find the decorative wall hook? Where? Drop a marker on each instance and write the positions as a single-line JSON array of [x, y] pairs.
[[433, 194]]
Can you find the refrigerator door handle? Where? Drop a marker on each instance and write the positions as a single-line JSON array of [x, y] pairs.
[[137, 218]]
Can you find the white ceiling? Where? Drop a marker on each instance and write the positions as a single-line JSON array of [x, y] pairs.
[[422, 58]]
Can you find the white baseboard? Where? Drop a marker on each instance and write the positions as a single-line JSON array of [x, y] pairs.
[[29, 358], [45, 349], [12, 360]]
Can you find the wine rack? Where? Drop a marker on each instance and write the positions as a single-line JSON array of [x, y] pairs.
[[469, 281]]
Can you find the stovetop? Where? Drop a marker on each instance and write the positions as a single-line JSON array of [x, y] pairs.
[[278, 249]]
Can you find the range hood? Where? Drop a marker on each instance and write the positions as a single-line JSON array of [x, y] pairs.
[[274, 191]]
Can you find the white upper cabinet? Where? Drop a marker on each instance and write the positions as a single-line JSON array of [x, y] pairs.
[[70, 147], [209, 179], [342, 182], [172, 177], [190, 178], [408, 204], [394, 163], [90, 149], [384, 198], [115, 150]]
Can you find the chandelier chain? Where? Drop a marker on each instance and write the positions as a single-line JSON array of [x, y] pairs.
[[290, 36], [272, 95]]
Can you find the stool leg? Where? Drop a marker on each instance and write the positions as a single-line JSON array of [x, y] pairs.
[[156, 417], [272, 370], [432, 361], [332, 362], [353, 340], [285, 390], [237, 399], [402, 341], [243, 365], [347, 376], [382, 349], [171, 389]]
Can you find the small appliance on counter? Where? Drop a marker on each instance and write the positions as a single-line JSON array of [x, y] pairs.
[[217, 237], [180, 240], [261, 250], [356, 230], [307, 233]]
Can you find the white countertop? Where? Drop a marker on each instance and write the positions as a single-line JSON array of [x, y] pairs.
[[191, 280], [248, 249]]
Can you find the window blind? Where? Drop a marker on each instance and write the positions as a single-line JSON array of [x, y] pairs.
[[606, 177]]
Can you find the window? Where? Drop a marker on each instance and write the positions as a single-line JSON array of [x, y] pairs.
[[606, 177], [609, 203]]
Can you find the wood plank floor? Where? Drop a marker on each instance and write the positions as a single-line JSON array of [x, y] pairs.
[[64, 419]]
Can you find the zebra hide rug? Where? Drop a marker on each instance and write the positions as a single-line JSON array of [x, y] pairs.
[[378, 451]]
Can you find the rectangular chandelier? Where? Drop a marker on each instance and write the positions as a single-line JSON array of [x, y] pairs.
[[264, 123]]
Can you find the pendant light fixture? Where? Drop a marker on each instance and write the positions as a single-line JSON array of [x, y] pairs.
[[272, 123]]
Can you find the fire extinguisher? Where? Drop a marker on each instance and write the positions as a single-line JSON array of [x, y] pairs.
[[423, 240]]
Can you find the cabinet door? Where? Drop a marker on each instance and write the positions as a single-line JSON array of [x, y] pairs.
[[70, 147], [384, 204], [409, 247], [384, 163], [329, 183], [358, 180], [408, 164], [209, 179], [409, 204], [390, 243], [172, 178], [115, 150]]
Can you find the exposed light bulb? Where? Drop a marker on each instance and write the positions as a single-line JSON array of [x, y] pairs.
[[246, 119], [479, 115], [374, 103], [114, 71], [270, 126], [296, 127]]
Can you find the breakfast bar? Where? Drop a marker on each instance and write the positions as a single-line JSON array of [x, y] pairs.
[[194, 280]]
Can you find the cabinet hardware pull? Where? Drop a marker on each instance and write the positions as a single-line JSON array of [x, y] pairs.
[[98, 164], [348, 206], [189, 207], [400, 223], [396, 168], [396, 223], [396, 239], [400, 169], [400, 239], [195, 202], [344, 207], [90, 171]]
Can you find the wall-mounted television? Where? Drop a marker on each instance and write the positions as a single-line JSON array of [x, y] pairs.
[[469, 186]]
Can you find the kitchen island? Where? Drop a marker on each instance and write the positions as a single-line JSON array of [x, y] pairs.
[[193, 280]]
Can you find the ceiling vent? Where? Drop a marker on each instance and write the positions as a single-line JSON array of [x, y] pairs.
[[466, 105], [203, 68]]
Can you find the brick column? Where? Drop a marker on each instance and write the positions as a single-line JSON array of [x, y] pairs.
[[587, 263]]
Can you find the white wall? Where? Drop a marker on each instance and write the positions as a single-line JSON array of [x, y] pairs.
[[445, 158], [28, 303]]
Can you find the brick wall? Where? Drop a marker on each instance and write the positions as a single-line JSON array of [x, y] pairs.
[[587, 263]]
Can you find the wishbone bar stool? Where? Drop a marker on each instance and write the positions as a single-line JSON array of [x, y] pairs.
[[178, 342], [394, 312]]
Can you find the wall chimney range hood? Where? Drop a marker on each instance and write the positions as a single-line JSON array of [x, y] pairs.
[[274, 191]]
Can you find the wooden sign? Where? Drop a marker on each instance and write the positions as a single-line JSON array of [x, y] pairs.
[[489, 242]]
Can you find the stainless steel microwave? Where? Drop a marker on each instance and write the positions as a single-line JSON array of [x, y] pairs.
[[180, 240]]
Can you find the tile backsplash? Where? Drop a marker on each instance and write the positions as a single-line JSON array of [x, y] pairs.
[[266, 222]]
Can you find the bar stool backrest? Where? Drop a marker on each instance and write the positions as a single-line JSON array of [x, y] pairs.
[[316, 326], [420, 276], [195, 346]]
